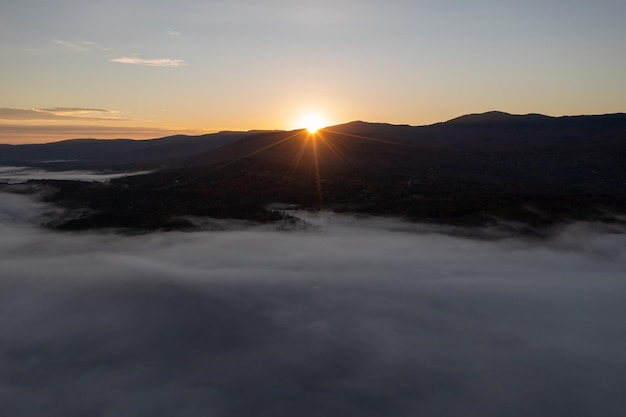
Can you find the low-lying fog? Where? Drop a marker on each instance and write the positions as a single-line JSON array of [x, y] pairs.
[[355, 318], [13, 175]]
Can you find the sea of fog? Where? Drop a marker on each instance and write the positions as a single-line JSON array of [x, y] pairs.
[[357, 317]]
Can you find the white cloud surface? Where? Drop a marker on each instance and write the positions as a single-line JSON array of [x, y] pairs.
[[358, 317]]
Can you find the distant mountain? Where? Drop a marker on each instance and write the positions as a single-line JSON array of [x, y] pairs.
[[496, 117], [587, 152], [119, 153], [476, 144], [533, 169]]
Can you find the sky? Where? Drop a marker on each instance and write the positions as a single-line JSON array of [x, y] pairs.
[[356, 317], [141, 69]]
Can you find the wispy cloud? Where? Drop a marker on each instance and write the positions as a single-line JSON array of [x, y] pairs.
[[81, 130], [14, 133], [76, 110], [173, 33], [160, 62], [58, 113], [80, 45]]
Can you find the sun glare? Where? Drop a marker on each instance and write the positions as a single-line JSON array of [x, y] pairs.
[[312, 122]]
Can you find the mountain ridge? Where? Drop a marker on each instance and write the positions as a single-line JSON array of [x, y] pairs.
[[537, 170]]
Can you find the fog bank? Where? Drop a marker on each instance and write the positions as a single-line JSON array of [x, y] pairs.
[[355, 318], [15, 175]]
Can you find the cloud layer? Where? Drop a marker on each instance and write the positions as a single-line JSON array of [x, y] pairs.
[[355, 318], [16, 133], [160, 62], [58, 113]]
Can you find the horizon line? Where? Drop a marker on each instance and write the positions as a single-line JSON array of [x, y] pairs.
[[181, 132]]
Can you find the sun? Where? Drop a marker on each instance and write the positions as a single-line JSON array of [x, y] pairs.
[[312, 122]]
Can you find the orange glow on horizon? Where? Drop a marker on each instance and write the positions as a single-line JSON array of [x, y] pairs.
[[312, 122]]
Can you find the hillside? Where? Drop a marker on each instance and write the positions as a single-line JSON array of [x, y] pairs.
[[473, 170], [119, 154]]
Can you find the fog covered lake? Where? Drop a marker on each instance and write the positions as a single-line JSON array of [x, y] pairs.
[[356, 317]]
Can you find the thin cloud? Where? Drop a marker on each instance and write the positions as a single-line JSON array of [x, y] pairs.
[[160, 62], [12, 133], [173, 33], [78, 110], [80, 45], [81, 129], [74, 45], [61, 113]]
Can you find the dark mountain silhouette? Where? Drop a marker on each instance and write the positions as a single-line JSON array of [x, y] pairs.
[[472, 170], [114, 154], [584, 152]]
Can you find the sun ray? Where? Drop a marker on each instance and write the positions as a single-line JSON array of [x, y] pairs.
[[365, 137], [333, 149], [265, 148], [296, 160], [299, 154], [313, 144], [318, 178]]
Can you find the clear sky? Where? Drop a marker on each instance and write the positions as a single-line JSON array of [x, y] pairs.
[[146, 68]]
